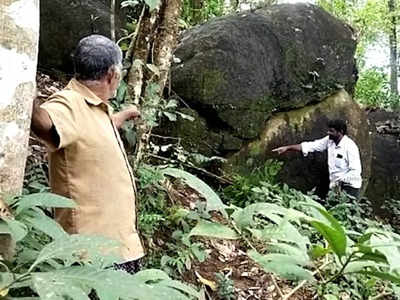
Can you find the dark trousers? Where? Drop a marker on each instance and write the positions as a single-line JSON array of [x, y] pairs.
[[130, 267], [349, 190]]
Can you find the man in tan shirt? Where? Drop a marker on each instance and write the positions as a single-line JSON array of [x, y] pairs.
[[87, 160]]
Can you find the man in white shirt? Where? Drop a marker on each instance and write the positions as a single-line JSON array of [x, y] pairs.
[[343, 157]]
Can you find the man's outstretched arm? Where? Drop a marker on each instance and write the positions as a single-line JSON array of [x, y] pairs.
[[283, 149]]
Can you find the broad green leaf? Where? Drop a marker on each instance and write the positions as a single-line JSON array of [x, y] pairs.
[[43, 200], [77, 247], [40, 221], [374, 256], [18, 230], [150, 284], [153, 4], [4, 228], [386, 245], [214, 230], [283, 231], [357, 266], [174, 284], [335, 239], [382, 275], [213, 200], [150, 275], [245, 217], [332, 231], [284, 265]]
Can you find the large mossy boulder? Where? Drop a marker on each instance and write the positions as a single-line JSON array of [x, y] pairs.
[[235, 71], [306, 124], [385, 167], [64, 22]]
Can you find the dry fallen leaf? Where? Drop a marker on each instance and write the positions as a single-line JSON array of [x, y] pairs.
[[206, 282]]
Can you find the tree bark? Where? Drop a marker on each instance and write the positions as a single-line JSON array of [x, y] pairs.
[[167, 36], [153, 44], [393, 47], [19, 36]]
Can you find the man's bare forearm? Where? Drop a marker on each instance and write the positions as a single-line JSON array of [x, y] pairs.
[[128, 114]]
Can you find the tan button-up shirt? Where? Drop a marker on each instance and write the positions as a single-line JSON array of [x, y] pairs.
[[90, 166]]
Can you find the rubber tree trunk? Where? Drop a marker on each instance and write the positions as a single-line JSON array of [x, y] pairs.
[[19, 36], [393, 47]]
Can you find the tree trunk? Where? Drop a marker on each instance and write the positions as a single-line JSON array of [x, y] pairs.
[[167, 37], [19, 36], [153, 44], [393, 47]]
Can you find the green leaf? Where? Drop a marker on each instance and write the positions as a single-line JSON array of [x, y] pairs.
[[357, 266], [76, 248], [4, 228], [17, 229], [185, 116], [382, 275], [364, 238], [283, 231], [332, 231], [318, 251], [153, 4], [335, 239], [170, 116], [37, 219], [330, 297], [386, 245], [171, 104], [286, 266], [245, 217], [213, 200], [44, 200], [5, 280], [121, 92], [214, 230]]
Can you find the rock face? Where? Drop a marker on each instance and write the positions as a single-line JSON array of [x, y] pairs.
[[237, 70], [64, 22], [385, 167], [306, 124]]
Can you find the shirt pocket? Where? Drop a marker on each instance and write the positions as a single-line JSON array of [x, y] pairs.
[[340, 161]]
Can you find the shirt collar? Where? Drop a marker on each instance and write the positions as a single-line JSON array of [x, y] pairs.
[[342, 141], [88, 95]]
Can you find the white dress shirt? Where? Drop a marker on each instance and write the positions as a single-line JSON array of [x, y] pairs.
[[343, 159]]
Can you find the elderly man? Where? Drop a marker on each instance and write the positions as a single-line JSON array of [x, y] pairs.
[[87, 160], [343, 157]]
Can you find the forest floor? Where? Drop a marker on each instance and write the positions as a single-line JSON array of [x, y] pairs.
[[227, 257]]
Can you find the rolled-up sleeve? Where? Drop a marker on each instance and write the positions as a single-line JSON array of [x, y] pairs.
[[63, 114], [315, 146]]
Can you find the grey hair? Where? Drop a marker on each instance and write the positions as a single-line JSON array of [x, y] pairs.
[[94, 56]]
